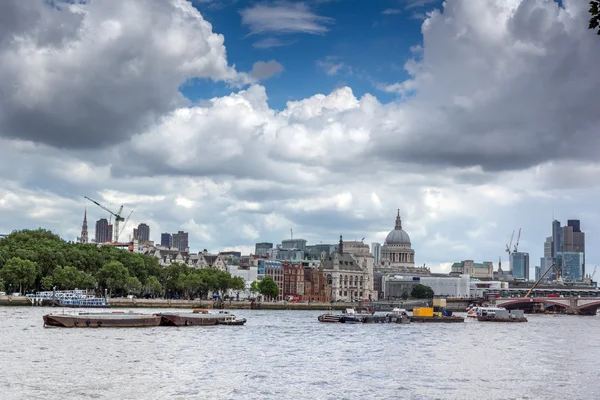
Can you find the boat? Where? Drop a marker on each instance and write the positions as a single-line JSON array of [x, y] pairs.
[[102, 320], [477, 311], [427, 314], [504, 316], [199, 317], [398, 316]]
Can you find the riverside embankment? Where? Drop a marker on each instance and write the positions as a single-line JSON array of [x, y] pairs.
[[452, 304]]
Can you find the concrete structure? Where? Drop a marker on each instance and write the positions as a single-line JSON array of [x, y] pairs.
[[166, 240], [349, 278], [453, 286], [143, 233], [478, 289], [571, 305], [476, 270], [249, 274], [376, 251], [519, 265], [103, 234], [298, 244], [261, 249], [84, 229], [180, 241]]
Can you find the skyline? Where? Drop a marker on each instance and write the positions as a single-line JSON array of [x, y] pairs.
[[225, 120]]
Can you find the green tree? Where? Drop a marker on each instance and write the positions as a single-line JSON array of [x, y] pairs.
[[404, 296], [153, 286], [422, 292], [67, 277], [238, 284], [595, 15], [46, 283], [113, 275], [254, 288], [133, 285], [268, 288], [19, 272]]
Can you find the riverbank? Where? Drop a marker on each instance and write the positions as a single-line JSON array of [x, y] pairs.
[[246, 305]]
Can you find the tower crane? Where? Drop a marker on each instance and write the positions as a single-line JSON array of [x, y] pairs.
[[517, 244], [117, 216], [508, 246], [125, 224]]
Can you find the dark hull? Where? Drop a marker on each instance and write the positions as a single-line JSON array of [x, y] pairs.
[[240, 321], [363, 319], [437, 319], [494, 319], [101, 321], [188, 319]]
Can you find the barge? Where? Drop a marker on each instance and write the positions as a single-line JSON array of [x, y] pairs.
[[441, 315], [199, 317], [351, 316], [102, 320]]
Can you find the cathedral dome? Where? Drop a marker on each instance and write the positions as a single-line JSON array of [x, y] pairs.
[[398, 235]]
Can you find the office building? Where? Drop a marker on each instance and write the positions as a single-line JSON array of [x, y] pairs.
[[180, 241], [570, 265], [102, 233], [166, 240], [143, 233], [297, 244], [262, 248], [519, 263], [376, 251]]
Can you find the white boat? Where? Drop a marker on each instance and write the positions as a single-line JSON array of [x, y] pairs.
[[479, 311]]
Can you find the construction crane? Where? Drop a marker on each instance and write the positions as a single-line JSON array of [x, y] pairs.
[[517, 244], [508, 246], [125, 224], [117, 216], [539, 280]]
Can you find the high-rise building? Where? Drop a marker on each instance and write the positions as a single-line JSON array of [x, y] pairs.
[[565, 239], [109, 236], [166, 240], [180, 240], [376, 251], [578, 240], [298, 244], [556, 238], [102, 234], [143, 233], [84, 229], [262, 248], [570, 265], [519, 263]]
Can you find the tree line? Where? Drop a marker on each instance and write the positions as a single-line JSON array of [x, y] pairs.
[[37, 260]]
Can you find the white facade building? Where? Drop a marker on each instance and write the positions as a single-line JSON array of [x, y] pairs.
[[453, 286]]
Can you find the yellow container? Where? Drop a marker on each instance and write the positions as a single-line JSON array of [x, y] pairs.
[[423, 312], [439, 302]]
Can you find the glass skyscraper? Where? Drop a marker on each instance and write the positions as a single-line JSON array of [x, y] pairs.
[[519, 264]]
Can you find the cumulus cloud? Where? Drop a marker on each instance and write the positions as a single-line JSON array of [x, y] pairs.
[[495, 127], [265, 70], [86, 74]]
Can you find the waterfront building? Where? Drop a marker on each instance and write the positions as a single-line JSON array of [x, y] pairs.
[[166, 240], [483, 270], [349, 278], [396, 287], [315, 285], [479, 289], [247, 272], [143, 233], [519, 263], [84, 229], [376, 251], [261, 249], [293, 281], [102, 232], [180, 241]]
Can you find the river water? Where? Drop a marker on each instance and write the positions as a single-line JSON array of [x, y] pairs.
[[290, 355]]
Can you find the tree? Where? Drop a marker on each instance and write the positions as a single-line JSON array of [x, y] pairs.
[[595, 15], [19, 272], [422, 292], [67, 277], [404, 296], [113, 275], [133, 285], [238, 284], [268, 288], [153, 286], [46, 283], [254, 288]]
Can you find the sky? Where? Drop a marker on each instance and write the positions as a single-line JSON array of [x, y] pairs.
[[244, 121]]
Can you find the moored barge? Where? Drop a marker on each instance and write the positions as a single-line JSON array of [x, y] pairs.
[[101, 320], [504, 316], [199, 317]]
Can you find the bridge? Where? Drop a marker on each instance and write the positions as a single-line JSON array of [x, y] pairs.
[[572, 305]]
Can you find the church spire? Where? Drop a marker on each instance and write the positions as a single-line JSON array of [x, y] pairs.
[[341, 246], [84, 229], [398, 222]]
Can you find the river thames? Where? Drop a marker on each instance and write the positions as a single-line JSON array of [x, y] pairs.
[[289, 355]]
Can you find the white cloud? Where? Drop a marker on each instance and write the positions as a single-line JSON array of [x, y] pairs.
[[284, 17], [391, 11], [330, 66], [459, 156]]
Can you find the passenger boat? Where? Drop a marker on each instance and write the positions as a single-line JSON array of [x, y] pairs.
[[199, 317], [101, 320], [478, 311], [504, 316]]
